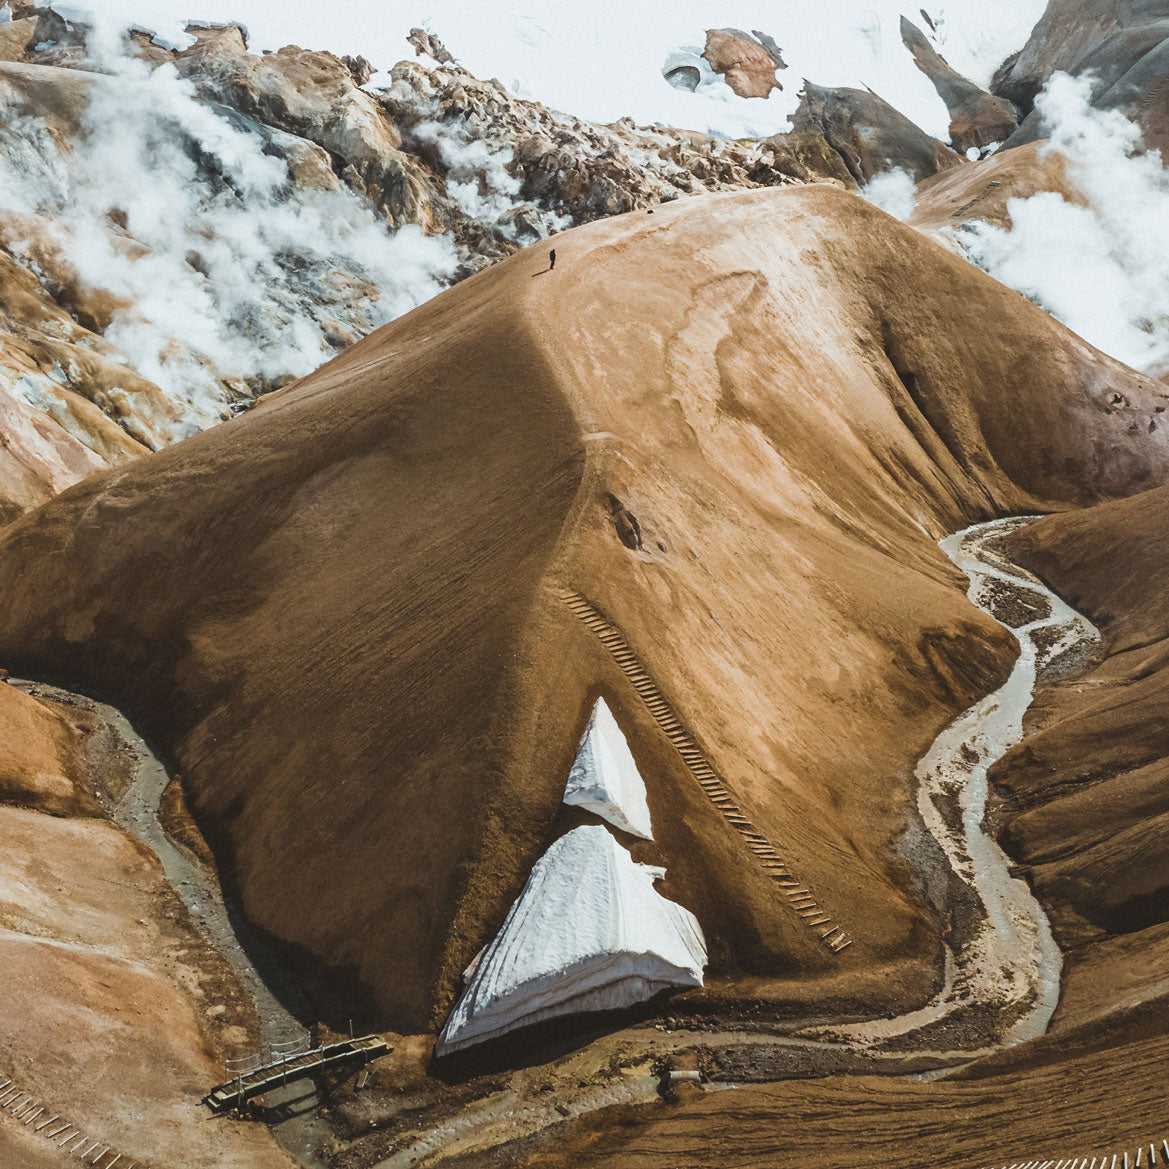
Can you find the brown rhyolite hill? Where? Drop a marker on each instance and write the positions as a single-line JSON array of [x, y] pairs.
[[340, 614], [70, 403], [1083, 804]]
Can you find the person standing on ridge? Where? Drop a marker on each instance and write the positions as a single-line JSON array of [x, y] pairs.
[[551, 259]]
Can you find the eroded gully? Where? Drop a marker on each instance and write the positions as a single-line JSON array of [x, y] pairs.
[[1002, 978]]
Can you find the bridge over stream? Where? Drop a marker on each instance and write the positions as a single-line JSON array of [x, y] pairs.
[[254, 1077]]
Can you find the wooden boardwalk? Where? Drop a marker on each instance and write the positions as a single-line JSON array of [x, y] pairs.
[[289, 1068], [1154, 1153], [798, 896], [38, 1118]]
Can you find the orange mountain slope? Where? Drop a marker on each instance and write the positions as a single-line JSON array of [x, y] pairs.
[[736, 427]]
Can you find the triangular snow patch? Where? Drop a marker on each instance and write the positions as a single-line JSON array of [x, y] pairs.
[[589, 932], [604, 778]]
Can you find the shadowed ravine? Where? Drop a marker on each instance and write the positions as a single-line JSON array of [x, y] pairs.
[[137, 812]]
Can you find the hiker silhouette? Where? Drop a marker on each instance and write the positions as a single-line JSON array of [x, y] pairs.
[[551, 259]]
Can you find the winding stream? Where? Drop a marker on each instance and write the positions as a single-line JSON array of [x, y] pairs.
[[1008, 969]]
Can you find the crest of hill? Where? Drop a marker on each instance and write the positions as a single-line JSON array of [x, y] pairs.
[[341, 615]]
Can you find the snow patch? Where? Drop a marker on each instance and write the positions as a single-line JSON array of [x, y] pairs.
[[589, 932], [604, 778]]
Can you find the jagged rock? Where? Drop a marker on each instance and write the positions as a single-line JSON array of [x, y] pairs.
[[869, 135], [428, 44], [773, 49], [806, 156], [16, 36], [746, 65], [1071, 36], [977, 118], [361, 69], [569, 170], [314, 96]]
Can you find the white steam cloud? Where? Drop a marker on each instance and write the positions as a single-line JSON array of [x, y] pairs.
[[478, 180], [219, 267], [1100, 265], [894, 192]]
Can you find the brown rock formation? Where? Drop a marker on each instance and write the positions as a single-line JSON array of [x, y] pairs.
[[869, 135], [977, 118], [341, 613], [1086, 799], [747, 65], [117, 1014]]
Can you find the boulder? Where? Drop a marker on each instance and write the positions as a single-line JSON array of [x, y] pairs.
[[746, 65]]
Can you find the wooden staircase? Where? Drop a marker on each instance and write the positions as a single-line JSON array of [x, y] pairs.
[[799, 898]]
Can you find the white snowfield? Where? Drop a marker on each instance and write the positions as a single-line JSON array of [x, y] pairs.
[[604, 778], [589, 932]]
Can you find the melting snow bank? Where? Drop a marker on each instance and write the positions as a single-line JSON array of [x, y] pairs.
[[605, 780], [588, 933], [1010, 964]]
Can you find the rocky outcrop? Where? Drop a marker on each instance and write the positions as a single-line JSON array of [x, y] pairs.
[[427, 44], [748, 65], [380, 554], [545, 171], [977, 118], [437, 152], [868, 134], [1124, 46]]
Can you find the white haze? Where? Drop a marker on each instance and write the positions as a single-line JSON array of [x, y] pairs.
[[1101, 267], [241, 274], [894, 192], [602, 62]]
